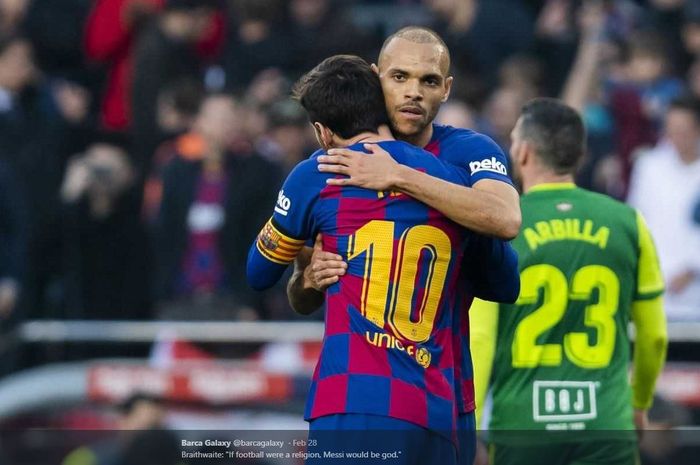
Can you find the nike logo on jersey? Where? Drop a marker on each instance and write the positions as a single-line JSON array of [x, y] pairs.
[[491, 164]]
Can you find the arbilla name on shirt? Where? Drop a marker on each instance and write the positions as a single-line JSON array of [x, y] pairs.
[[387, 341]]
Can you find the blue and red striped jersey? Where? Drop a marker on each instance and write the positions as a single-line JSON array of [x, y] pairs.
[[388, 343]]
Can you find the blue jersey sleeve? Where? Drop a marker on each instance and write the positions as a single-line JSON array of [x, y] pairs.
[[491, 269], [286, 232], [477, 153]]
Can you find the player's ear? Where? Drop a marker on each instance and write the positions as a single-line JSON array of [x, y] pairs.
[[526, 153], [324, 135], [375, 68], [448, 88], [317, 132]]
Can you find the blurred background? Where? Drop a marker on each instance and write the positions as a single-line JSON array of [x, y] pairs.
[[142, 145]]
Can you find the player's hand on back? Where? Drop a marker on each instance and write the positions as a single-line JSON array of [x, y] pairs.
[[376, 170], [325, 268]]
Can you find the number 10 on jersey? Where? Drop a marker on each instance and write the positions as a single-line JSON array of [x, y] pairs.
[[390, 271]]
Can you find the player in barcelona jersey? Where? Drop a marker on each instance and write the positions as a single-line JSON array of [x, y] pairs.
[[387, 359], [559, 356], [413, 67]]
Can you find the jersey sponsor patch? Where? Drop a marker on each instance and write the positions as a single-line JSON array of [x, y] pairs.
[[488, 164], [276, 246], [564, 401], [283, 204]]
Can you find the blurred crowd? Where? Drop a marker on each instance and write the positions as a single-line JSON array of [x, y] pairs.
[[143, 142]]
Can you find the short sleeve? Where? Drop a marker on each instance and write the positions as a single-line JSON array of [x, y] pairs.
[[650, 282], [292, 223], [478, 154], [293, 212], [285, 233]]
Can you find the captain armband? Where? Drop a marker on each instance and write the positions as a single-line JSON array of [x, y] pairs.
[[277, 246]]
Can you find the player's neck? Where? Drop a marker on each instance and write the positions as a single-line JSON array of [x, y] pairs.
[[546, 178], [421, 139], [364, 138]]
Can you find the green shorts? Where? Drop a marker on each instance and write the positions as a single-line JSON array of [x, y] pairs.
[[583, 453]]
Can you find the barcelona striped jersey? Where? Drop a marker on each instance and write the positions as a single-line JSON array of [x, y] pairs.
[[388, 343]]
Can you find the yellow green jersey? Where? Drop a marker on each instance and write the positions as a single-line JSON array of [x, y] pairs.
[[562, 350]]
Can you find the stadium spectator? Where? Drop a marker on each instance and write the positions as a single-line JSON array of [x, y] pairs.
[[456, 114], [13, 256], [501, 112], [522, 73], [312, 19], [12, 243], [258, 39], [691, 27], [17, 96], [165, 53], [583, 91], [12, 14], [666, 17], [639, 100], [482, 33], [41, 123], [178, 106], [110, 33], [212, 205], [105, 268], [665, 187], [55, 29], [289, 137], [555, 32], [267, 87]]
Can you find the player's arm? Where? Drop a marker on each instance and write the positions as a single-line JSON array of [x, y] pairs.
[[490, 207], [491, 269], [303, 297], [283, 237], [483, 326], [314, 271], [650, 325], [650, 344], [269, 256]]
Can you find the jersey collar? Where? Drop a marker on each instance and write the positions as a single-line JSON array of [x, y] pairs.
[[552, 186]]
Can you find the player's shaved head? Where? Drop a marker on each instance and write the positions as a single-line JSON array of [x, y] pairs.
[[419, 35]]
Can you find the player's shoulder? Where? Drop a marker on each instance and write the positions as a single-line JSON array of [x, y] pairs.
[[306, 174], [399, 147], [419, 158], [308, 165], [405, 153], [316, 154], [451, 135], [607, 205], [478, 153]]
